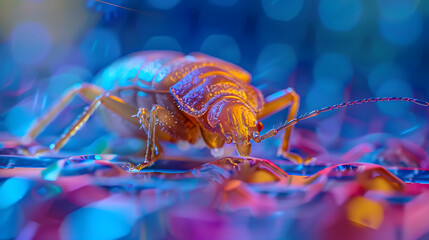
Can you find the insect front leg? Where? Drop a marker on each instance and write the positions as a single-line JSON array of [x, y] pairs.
[[147, 120], [275, 103], [161, 124]]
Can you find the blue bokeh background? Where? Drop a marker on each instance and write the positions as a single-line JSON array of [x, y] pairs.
[[330, 51]]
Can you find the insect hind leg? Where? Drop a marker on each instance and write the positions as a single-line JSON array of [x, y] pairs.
[[87, 91], [113, 103]]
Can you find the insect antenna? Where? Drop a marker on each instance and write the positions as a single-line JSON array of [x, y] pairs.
[[314, 113], [126, 8]]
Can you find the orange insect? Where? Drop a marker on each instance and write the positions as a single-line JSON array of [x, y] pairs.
[[171, 97]]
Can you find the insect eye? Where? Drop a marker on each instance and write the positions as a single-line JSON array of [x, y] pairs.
[[260, 126]]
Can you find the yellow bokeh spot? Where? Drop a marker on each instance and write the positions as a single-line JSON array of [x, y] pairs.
[[365, 212], [262, 176], [380, 183]]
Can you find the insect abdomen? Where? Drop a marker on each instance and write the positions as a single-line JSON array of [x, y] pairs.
[[137, 69], [160, 69]]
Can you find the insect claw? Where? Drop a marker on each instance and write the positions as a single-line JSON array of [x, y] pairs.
[[138, 167]]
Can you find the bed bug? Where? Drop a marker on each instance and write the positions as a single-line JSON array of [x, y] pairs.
[[168, 96], [175, 97]]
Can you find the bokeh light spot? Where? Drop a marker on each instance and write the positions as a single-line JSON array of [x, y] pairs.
[[162, 43], [59, 84], [398, 9], [323, 93], [333, 66], [224, 3], [384, 72], [76, 70], [222, 46], [394, 88], [9, 72], [283, 10], [18, 120], [340, 15], [401, 31], [100, 46], [11, 222], [275, 62], [365, 212], [163, 4], [30, 43], [13, 190], [110, 224]]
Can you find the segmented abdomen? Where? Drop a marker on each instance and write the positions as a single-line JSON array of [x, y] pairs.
[[137, 69]]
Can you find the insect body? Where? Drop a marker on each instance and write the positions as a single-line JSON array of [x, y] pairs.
[[168, 96], [192, 94], [173, 97]]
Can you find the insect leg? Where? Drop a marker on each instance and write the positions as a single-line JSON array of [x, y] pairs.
[[148, 122], [88, 91], [150, 149], [113, 103], [277, 102], [155, 114], [160, 122]]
